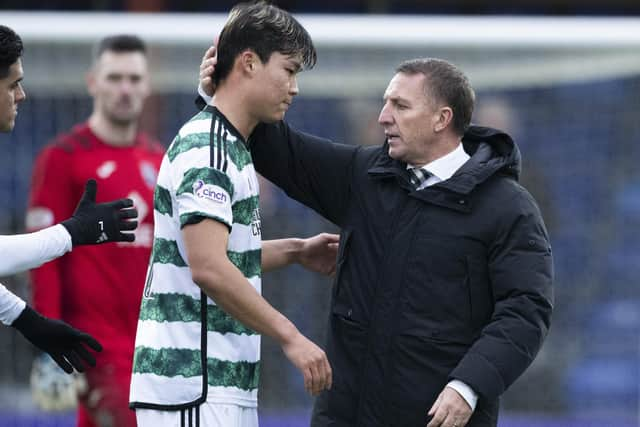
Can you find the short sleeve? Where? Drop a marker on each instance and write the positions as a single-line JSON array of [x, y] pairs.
[[202, 190]]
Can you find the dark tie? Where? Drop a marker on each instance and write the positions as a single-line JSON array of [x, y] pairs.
[[417, 177]]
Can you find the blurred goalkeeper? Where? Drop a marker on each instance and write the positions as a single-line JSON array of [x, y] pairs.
[[91, 223], [99, 288]]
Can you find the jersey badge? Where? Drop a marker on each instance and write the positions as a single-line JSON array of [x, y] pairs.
[[105, 170], [149, 174]]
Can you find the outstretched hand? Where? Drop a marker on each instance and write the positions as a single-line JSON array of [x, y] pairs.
[[66, 345], [319, 253], [93, 222]]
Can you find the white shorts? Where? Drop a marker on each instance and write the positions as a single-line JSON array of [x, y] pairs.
[[205, 415]]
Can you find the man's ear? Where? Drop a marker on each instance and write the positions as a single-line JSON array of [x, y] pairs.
[[444, 118], [248, 61], [90, 79]]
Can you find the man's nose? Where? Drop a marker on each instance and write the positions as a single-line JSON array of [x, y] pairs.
[[20, 94], [293, 88], [385, 115]]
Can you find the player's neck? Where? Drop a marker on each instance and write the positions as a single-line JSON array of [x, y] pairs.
[[233, 105], [111, 133]]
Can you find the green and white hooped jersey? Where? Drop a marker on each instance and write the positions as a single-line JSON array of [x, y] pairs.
[[187, 349]]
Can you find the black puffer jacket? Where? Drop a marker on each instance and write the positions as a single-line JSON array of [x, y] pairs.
[[453, 281]]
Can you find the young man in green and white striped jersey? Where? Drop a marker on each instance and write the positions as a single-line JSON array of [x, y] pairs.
[[198, 342]]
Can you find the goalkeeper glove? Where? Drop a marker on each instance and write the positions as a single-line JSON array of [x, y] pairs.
[[51, 388], [93, 222], [64, 344]]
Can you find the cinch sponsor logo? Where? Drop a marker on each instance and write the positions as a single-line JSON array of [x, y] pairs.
[[207, 191], [256, 224]]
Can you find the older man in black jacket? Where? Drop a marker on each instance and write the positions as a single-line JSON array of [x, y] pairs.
[[443, 290]]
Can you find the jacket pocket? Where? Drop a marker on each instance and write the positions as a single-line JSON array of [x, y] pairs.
[[346, 348], [436, 294], [480, 293], [343, 253]]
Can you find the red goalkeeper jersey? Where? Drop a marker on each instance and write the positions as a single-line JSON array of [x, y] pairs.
[[95, 288]]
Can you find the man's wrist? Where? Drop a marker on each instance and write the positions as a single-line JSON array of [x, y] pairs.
[[73, 228], [295, 248], [25, 319], [285, 331], [206, 98], [467, 393]]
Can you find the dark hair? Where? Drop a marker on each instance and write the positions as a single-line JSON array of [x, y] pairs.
[[120, 43], [446, 83], [265, 29], [10, 49]]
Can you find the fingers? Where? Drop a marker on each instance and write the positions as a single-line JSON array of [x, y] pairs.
[[312, 362], [327, 374], [126, 237], [127, 225], [321, 375], [317, 384], [90, 341], [61, 361], [210, 53], [434, 408], [332, 238], [206, 70], [438, 416], [90, 190], [308, 380], [75, 360], [438, 419], [121, 204], [129, 213], [450, 409], [85, 355]]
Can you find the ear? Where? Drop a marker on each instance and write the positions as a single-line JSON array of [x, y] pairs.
[[248, 62], [90, 79], [443, 119]]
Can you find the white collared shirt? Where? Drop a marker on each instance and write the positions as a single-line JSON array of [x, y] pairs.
[[443, 168]]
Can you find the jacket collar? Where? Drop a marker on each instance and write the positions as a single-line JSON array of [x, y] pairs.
[[491, 151]]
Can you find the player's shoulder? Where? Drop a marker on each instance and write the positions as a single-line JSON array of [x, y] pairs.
[[196, 126], [150, 144], [76, 138], [194, 134]]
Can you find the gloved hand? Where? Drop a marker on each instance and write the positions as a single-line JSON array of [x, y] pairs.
[[93, 222], [64, 344]]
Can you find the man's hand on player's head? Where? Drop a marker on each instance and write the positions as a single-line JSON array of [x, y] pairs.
[[207, 67]]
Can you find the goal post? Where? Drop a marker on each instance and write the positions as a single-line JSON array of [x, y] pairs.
[[357, 54], [567, 89]]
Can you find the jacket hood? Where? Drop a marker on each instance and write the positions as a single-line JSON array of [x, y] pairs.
[[500, 152], [492, 151]]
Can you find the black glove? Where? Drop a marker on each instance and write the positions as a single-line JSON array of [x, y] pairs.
[[64, 344], [93, 222]]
